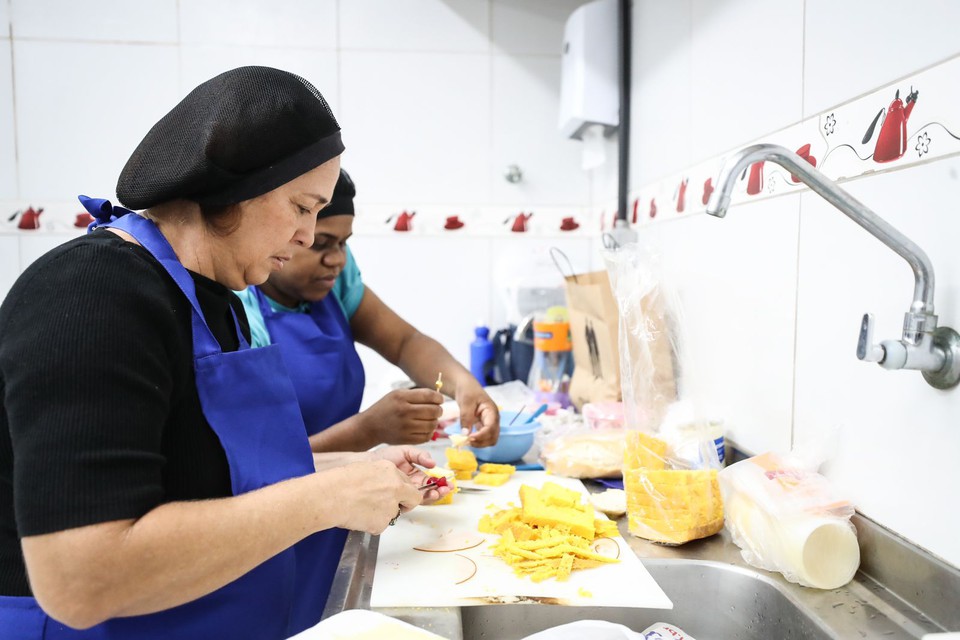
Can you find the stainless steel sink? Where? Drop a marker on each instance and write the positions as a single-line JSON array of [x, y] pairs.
[[711, 600], [900, 592]]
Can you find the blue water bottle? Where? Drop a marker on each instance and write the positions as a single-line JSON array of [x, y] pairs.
[[481, 355]]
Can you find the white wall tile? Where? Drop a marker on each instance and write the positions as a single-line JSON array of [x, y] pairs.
[[661, 95], [523, 261], [736, 281], [101, 20], [294, 24], [441, 288], [415, 25], [417, 126], [199, 63], [746, 65], [9, 262], [854, 48], [8, 153], [82, 109], [4, 19], [34, 246], [526, 95], [898, 435], [531, 26]]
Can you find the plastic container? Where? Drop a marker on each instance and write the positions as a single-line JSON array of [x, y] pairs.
[[481, 355], [514, 442], [549, 374], [603, 415]]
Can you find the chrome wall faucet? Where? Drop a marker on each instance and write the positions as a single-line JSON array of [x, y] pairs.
[[924, 346]]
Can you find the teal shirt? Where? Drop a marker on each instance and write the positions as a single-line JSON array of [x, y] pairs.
[[347, 290]]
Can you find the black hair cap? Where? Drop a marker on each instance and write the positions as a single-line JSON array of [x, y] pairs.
[[233, 138], [341, 204]]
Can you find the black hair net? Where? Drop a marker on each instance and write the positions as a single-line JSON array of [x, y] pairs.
[[342, 201], [235, 137]]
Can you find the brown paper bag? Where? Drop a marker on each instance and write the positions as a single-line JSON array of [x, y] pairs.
[[594, 330]]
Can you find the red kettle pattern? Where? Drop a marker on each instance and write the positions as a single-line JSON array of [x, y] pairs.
[[892, 139]]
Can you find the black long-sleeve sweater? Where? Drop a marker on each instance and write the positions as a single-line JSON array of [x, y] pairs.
[[100, 418]]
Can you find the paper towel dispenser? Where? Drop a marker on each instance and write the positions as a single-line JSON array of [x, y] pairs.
[[589, 92]]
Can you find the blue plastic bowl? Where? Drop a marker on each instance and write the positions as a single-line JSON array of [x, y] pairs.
[[514, 440]]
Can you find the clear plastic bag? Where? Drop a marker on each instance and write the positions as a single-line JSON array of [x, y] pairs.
[[666, 504], [585, 453], [672, 451], [788, 518]]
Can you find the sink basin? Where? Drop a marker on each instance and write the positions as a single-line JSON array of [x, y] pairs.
[[711, 600], [900, 593]]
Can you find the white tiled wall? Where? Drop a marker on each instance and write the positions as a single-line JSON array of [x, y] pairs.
[[774, 293], [436, 99], [8, 151]]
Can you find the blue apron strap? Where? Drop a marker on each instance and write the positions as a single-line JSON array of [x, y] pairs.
[[148, 235]]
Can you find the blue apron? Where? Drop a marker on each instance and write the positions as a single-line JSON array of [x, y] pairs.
[[251, 406], [326, 371]]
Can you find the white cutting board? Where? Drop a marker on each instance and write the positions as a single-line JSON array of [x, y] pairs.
[[406, 577]]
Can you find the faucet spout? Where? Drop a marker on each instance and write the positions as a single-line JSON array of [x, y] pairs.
[[922, 304]]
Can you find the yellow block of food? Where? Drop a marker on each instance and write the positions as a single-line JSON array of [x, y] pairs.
[[643, 451], [673, 506], [461, 459], [490, 467], [492, 479], [550, 507]]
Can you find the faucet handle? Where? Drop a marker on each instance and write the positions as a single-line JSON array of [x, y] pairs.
[[866, 349]]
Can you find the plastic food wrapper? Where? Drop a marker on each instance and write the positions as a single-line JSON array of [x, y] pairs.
[[603, 415], [666, 504], [694, 440], [585, 453], [603, 630], [788, 518], [649, 338]]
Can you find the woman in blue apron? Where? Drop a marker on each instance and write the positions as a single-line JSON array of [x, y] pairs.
[[314, 310], [155, 469]]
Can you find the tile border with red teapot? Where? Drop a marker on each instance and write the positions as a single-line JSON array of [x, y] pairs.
[[908, 122]]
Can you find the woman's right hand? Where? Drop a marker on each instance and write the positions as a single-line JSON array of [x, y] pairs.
[[404, 416], [373, 495]]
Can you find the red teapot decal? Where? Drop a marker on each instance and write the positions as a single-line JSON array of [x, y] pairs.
[[404, 221], [892, 139], [520, 222], [804, 152], [30, 219]]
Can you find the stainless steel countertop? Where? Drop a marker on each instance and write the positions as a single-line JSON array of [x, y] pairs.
[[918, 595]]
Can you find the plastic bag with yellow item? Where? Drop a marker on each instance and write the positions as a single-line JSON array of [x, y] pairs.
[[665, 504]]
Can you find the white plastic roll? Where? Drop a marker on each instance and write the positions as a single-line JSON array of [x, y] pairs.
[[816, 551]]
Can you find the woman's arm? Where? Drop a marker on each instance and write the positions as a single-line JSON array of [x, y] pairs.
[[181, 551], [377, 326]]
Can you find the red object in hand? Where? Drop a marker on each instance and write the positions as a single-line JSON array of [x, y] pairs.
[[30, 219]]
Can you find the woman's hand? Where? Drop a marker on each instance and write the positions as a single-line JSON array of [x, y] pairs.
[[476, 408], [407, 458], [404, 416], [375, 492]]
